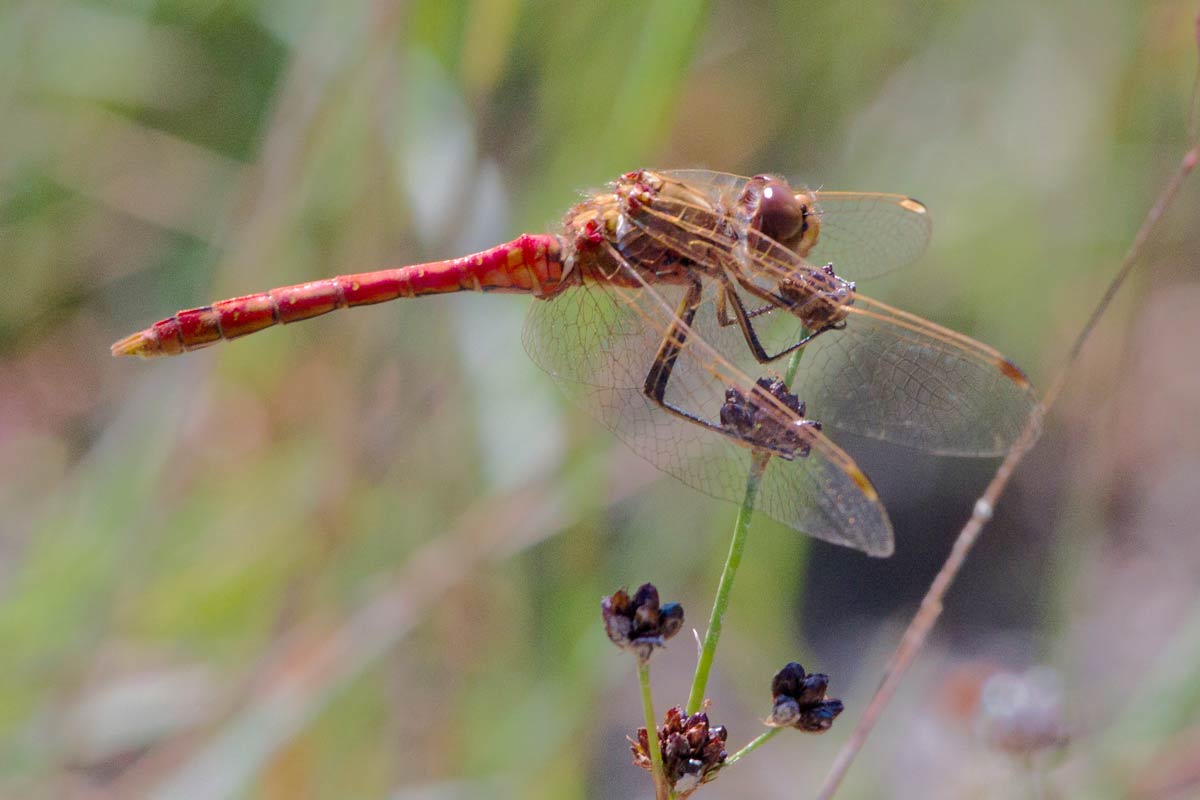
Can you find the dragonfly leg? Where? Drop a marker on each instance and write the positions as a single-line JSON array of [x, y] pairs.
[[758, 312], [723, 318], [655, 386], [742, 317], [659, 376]]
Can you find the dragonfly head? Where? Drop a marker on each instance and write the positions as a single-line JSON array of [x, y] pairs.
[[770, 206], [818, 297]]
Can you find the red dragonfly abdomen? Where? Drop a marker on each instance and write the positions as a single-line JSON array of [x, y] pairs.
[[528, 264]]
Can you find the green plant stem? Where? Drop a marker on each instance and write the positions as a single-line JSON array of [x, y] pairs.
[[656, 762], [754, 745], [741, 528], [716, 619]]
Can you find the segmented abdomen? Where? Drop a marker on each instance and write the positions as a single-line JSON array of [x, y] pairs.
[[530, 264]]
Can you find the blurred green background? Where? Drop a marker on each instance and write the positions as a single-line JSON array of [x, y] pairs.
[[362, 557]]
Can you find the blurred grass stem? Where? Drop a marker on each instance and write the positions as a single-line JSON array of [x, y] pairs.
[[931, 605]]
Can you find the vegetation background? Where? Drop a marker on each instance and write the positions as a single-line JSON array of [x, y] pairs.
[[362, 557]]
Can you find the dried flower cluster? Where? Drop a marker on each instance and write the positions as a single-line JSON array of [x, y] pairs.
[[691, 750], [1023, 714], [799, 701], [639, 624]]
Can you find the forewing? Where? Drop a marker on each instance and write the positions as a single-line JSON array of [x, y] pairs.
[[718, 185], [894, 376], [865, 234]]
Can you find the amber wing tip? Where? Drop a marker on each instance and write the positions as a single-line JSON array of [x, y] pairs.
[[1014, 373], [864, 485], [136, 344], [880, 546]]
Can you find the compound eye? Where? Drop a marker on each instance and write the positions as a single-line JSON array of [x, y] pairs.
[[780, 214]]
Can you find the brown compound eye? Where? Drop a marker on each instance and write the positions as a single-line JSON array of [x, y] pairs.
[[769, 205], [780, 213]]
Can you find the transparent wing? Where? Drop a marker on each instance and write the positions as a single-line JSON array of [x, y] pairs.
[[888, 374], [822, 494], [599, 343], [723, 185], [894, 376], [864, 234], [592, 337]]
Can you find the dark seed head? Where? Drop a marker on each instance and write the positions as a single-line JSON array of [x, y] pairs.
[[692, 750], [670, 619], [639, 623], [798, 701], [787, 680]]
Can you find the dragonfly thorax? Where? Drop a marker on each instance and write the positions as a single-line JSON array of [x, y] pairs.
[[604, 244]]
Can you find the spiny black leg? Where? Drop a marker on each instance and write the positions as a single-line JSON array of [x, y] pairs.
[[668, 352], [742, 317], [655, 387], [723, 318]]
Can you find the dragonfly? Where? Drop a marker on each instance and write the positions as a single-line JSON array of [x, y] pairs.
[[667, 305]]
